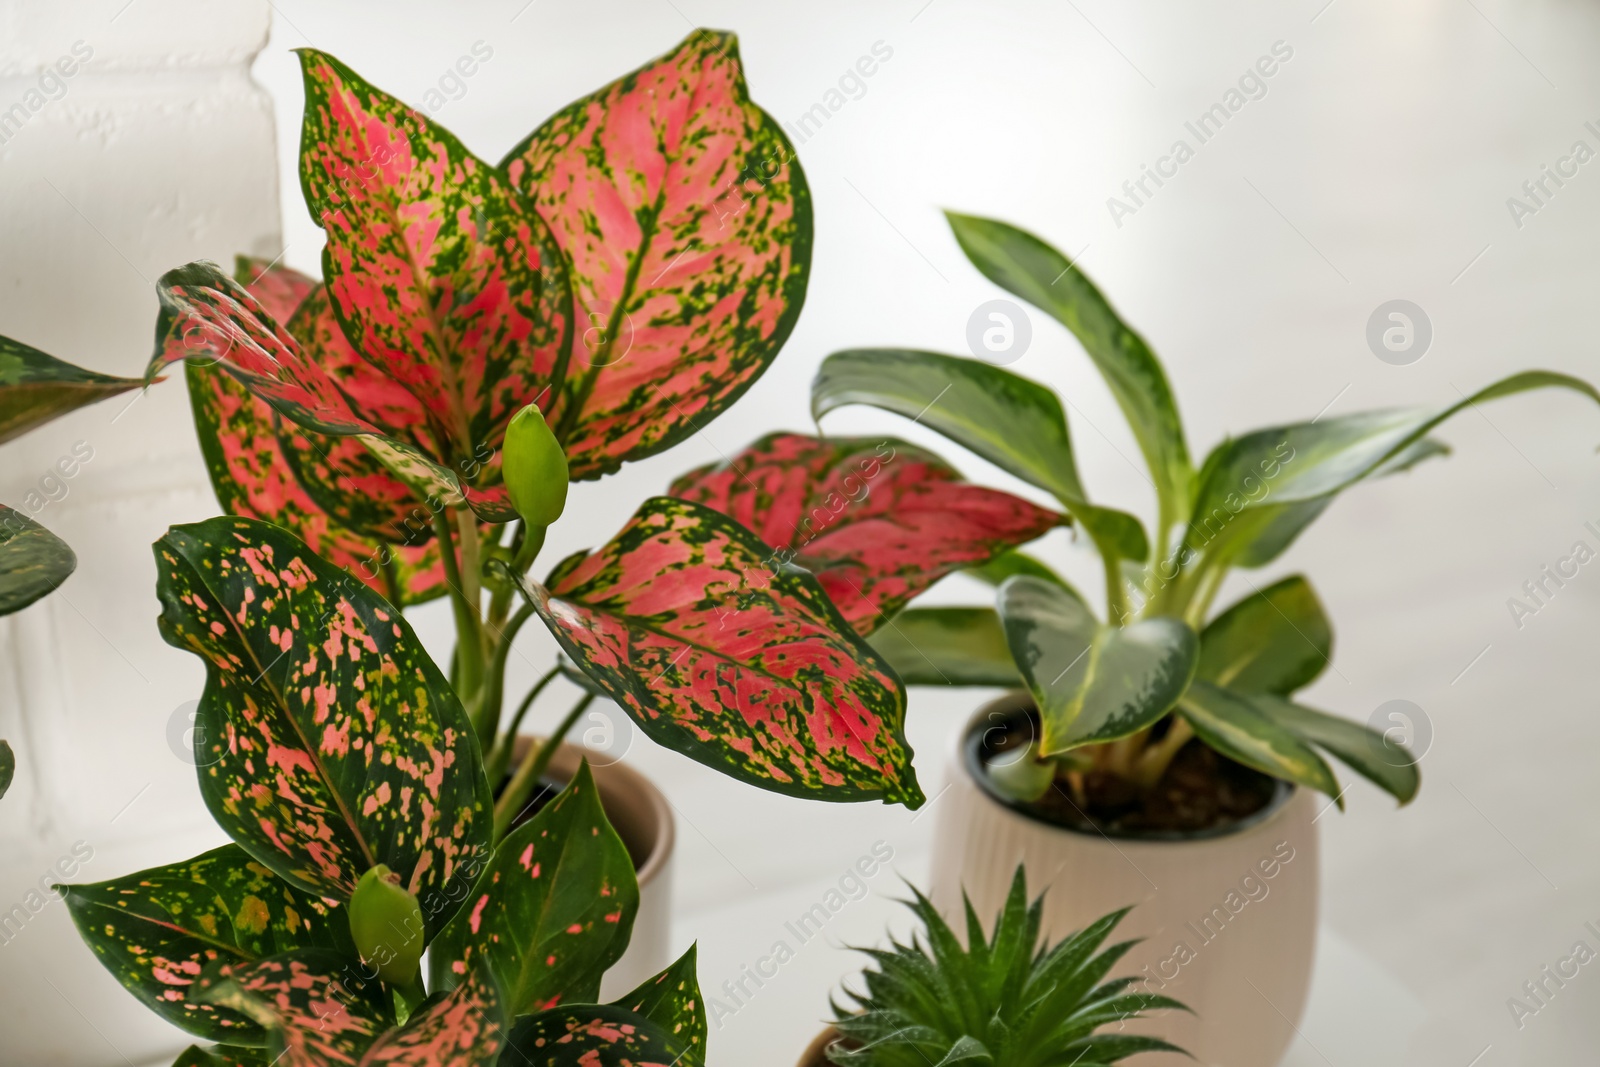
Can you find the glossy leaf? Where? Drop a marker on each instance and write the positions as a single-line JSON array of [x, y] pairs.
[[1092, 683], [1022, 264], [1311, 461], [596, 1035], [948, 646], [332, 742], [684, 622], [1275, 640], [551, 911], [673, 1002], [156, 930], [465, 1027], [222, 1056], [1387, 765], [877, 520], [8, 767], [687, 221], [33, 561], [441, 274], [317, 1007], [1011, 421], [36, 387], [1003, 566], [1230, 723], [243, 443]]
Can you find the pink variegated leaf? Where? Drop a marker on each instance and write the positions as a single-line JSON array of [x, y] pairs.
[[597, 1035], [442, 275], [720, 651], [877, 520], [551, 911], [208, 318], [687, 221], [465, 1027], [246, 454], [331, 742], [281, 290], [319, 1008]]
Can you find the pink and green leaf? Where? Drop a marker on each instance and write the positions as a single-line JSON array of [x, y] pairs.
[[597, 1035], [331, 740], [722, 652], [877, 520], [157, 930], [673, 1002], [319, 1009], [222, 1056], [552, 910], [443, 276], [36, 387], [687, 222], [465, 1027]]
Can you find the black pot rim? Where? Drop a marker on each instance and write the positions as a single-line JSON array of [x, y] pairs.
[[1018, 705]]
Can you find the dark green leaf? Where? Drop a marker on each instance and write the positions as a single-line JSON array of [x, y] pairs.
[[156, 930], [8, 767], [1387, 765], [332, 742], [947, 646], [1275, 640], [1232, 725], [33, 561], [552, 910], [1092, 683], [595, 1035], [222, 1056], [1021, 263], [36, 387], [1311, 461], [1016, 561], [1013, 422], [673, 1002]]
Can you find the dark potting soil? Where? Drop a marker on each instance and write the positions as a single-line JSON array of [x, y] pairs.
[[1201, 791]]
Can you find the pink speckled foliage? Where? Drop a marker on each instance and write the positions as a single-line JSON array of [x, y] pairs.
[[877, 520]]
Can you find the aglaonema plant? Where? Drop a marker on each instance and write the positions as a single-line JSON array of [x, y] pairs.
[[33, 563], [335, 754], [1118, 696]]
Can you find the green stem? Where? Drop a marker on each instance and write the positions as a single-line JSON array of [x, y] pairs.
[[488, 722], [391, 580], [500, 757], [533, 767], [1116, 590], [469, 636], [1153, 762]]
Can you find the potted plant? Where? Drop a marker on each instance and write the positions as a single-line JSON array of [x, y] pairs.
[[1003, 998], [1151, 752]]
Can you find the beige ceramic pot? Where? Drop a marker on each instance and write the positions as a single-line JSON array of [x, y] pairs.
[[1229, 920], [643, 819]]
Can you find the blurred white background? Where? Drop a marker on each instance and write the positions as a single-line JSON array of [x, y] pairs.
[[1377, 166]]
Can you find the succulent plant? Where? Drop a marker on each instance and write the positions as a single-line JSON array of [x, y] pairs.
[[1002, 1000]]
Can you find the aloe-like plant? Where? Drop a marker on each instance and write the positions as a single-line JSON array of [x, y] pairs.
[[1118, 696], [1003, 999]]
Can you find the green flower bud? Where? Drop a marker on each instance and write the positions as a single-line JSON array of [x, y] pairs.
[[386, 923], [534, 468]]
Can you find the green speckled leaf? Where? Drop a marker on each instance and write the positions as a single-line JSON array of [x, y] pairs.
[[222, 1056], [318, 1008], [687, 221], [465, 1027], [333, 741], [36, 387], [156, 930], [720, 651], [1092, 683], [590, 1035], [33, 561], [673, 1002], [552, 910]]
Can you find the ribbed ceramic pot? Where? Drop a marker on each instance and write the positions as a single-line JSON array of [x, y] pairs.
[[643, 819], [1228, 917]]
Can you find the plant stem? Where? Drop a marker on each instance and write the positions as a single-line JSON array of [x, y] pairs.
[[391, 581], [528, 775], [1153, 762], [494, 686], [500, 758], [469, 636], [1116, 591]]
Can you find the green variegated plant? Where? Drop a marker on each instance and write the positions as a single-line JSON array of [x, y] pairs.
[[1118, 695], [1003, 999], [33, 562]]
